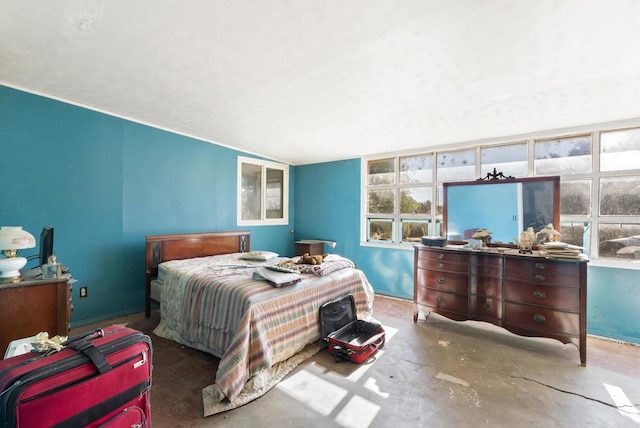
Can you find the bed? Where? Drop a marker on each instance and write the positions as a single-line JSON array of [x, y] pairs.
[[211, 300]]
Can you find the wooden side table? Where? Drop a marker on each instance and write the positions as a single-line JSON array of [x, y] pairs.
[[32, 306], [311, 247]]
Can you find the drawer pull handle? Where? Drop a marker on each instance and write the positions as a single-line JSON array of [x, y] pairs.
[[540, 266], [540, 278], [441, 256], [539, 295], [487, 305], [440, 265], [440, 280], [539, 318], [440, 299]]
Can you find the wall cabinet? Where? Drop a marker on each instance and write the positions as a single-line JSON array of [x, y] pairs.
[[33, 306], [526, 294]]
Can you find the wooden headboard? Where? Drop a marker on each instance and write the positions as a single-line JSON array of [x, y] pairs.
[[162, 248]]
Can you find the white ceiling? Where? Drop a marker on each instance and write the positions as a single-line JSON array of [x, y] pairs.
[[306, 81]]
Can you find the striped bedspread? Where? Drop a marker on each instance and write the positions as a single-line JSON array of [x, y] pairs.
[[249, 324]]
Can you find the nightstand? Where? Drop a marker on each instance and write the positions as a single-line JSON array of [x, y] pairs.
[[311, 247], [31, 306]]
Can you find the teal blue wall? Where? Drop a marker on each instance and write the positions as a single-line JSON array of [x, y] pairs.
[[104, 183], [613, 303], [328, 207]]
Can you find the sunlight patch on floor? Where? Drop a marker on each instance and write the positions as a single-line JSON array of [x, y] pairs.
[[324, 397], [622, 402], [358, 413], [372, 385], [315, 392]]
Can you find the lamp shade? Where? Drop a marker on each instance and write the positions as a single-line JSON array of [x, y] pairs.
[[15, 238]]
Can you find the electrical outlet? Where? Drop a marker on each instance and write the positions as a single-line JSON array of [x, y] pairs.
[[83, 292]]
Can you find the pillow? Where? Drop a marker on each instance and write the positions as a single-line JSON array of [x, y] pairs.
[[260, 256]]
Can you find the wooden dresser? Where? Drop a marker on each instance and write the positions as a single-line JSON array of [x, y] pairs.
[[32, 306], [526, 294]]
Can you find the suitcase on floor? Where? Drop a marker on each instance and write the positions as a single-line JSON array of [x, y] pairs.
[[348, 338], [101, 378]]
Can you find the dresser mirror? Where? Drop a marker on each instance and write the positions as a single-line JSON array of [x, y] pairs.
[[504, 206]]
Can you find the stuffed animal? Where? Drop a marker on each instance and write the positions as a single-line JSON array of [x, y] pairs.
[[307, 259]]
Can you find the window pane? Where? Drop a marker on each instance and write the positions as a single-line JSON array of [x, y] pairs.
[[576, 234], [620, 150], [380, 230], [414, 230], [251, 191], [620, 196], [456, 166], [620, 241], [510, 160], [575, 197], [381, 172], [381, 201], [275, 185], [416, 169], [415, 200], [440, 204], [563, 156]]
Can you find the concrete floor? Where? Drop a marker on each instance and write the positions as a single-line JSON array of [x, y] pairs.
[[442, 373], [436, 373]]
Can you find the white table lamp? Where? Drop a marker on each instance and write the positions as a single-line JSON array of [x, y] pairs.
[[12, 240]]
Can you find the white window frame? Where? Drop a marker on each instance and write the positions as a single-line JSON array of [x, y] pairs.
[[594, 219], [431, 218], [264, 165]]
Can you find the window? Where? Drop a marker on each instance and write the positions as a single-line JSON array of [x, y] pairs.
[[511, 160], [563, 156], [618, 202], [263, 193], [599, 188], [399, 199]]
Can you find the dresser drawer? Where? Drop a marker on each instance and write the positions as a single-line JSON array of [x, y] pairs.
[[443, 265], [484, 307], [443, 255], [486, 270], [444, 281], [541, 319], [485, 286], [491, 260], [563, 298], [542, 265], [543, 277], [441, 300]]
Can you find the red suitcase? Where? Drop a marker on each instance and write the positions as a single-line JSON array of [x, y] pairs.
[[349, 338], [101, 378]]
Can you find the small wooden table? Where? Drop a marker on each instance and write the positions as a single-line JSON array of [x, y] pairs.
[[309, 246], [28, 307]]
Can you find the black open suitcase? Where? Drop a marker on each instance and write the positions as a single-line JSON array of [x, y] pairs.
[[101, 378], [348, 338]]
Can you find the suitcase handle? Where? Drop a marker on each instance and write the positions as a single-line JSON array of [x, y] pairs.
[[82, 343], [84, 336]]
